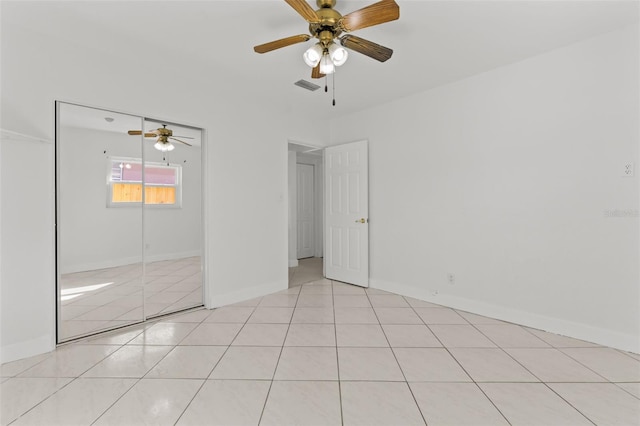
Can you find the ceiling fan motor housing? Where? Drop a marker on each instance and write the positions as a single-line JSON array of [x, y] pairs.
[[163, 131], [325, 3], [328, 28]]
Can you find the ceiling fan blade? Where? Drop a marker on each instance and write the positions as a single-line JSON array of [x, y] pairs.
[[366, 47], [139, 132], [183, 137], [315, 72], [186, 143], [303, 8], [374, 14], [283, 42]]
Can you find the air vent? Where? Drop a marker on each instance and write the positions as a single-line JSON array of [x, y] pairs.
[[307, 85]]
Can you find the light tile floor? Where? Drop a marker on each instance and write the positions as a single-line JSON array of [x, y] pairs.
[[113, 297], [325, 353]]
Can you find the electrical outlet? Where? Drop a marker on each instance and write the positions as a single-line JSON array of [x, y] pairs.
[[627, 171], [451, 278]]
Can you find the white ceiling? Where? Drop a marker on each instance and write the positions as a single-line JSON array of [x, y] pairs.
[[72, 115], [434, 42]]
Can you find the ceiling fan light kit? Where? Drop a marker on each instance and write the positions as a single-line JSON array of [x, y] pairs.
[[326, 65], [163, 144], [338, 54], [313, 55], [327, 24]]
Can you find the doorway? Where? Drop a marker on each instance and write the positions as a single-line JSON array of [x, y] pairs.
[[306, 230]]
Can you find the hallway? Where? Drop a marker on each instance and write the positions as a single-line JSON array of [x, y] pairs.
[[308, 270]]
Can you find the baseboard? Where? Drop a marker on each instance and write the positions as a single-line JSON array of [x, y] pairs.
[[173, 256], [114, 263], [293, 263], [27, 348], [218, 300], [611, 338]]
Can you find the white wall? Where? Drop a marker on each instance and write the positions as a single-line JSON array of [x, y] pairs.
[[26, 232], [505, 180], [245, 155], [93, 236]]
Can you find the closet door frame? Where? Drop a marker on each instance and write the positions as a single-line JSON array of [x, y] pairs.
[[204, 241]]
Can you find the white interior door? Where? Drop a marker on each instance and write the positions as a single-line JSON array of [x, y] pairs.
[[305, 209], [347, 213]]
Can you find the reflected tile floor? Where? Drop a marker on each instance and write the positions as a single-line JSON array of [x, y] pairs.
[[325, 353], [112, 297]]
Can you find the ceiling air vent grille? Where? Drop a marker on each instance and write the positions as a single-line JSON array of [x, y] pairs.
[[307, 85]]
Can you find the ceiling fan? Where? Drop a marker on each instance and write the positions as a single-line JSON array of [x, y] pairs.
[[326, 24], [163, 134]]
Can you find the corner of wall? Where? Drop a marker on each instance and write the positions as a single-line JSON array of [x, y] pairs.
[[219, 300], [27, 348]]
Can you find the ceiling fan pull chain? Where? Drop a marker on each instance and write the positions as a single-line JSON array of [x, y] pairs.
[[334, 88], [326, 87]]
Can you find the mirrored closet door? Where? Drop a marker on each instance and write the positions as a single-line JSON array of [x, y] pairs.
[[172, 218], [129, 223]]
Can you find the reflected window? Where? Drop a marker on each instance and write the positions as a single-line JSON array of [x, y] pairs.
[[162, 183]]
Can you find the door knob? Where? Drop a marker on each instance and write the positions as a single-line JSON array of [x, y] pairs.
[[361, 220]]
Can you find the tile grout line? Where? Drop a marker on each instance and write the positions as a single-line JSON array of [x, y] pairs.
[[458, 362], [534, 348], [139, 379], [583, 364], [515, 360], [73, 379], [160, 360], [213, 368], [406, 382], [617, 384], [568, 403], [335, 332], [275, 370]]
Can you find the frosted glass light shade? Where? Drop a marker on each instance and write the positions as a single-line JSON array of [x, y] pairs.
[[326, 65], [164, 147], [338, 54], [313, 55]]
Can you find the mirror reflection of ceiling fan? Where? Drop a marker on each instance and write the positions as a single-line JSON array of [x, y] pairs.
[[326, 24], [163, 135]]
